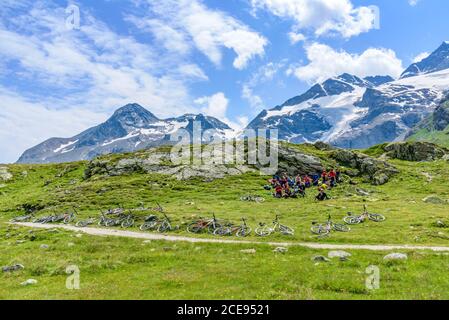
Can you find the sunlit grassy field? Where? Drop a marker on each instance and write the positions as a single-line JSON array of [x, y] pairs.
[[126, 268]]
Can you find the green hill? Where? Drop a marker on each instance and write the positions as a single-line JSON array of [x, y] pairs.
[[129, 268]]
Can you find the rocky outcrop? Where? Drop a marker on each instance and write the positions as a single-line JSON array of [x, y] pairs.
[[415, 151], [5, 175], [379, 172], [290, 161], [294, 162]]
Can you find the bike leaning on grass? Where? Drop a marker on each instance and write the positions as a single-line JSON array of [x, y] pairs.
[[323, 229], [264, 230], [351, 219]]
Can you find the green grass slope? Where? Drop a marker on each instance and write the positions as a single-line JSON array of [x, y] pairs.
[[127, 268]]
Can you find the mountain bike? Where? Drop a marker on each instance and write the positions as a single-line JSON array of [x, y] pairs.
[[106, 221], [150, 223], [263, 230], [323, 229], [24, 218], [85, 223], [70, 216], [165, 225], [127, 220], [240, 231], [252, 198], [350, 219], [115, 211], [204, 224], [45, 219]]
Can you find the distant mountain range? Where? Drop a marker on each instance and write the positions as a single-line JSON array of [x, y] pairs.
[[130, 128], [346, 111]]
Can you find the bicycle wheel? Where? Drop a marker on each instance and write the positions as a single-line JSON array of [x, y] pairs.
[[194, 227], [213, 226], [319, 230], [244, 198], [81, 224], [68, 219], [341, 227], [351, 220], [149, 225], [376, 217], [243, 232], [164, 227], [111, 223], [259, 199], [128, 223], [263, 231], [286, 231]]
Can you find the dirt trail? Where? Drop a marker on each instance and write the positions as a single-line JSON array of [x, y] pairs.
[[153, 236]]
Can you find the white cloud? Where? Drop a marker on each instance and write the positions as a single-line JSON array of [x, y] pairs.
[[322, 16], [93, 70], [296, 37], [186, 23], [325, 62], [215, 105], [25, 123], [254, 100], [413, 2], [264, 74], [420, 57]]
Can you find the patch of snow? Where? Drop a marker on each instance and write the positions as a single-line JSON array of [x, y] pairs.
[[63, 146]]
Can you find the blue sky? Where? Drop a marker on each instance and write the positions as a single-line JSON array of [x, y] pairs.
[[228, 59]]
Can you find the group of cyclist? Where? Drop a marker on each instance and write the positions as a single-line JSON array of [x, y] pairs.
[[285, 186]]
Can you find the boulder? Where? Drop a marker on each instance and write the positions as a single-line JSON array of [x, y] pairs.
[[338, 254], [280, 250], [249, 251], [415, 151], [289, 160], [4, 174], [29, 282], [320, 259], [395, 257], [378, 171], [294, 162], [12, 268], [434, 200], [323, 146]]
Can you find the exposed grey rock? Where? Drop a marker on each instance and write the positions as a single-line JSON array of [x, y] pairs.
[[294, 162], [414, 151], [5, 175], [362, 192], [44, 246], [280, 250], [12, 268], [378, 171], [249, 251], [434, 200], [320, 259], [395, 256], [29, 282], [338, 254]]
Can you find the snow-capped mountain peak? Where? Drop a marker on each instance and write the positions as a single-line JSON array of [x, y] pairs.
[[130, 128], [436, 61]]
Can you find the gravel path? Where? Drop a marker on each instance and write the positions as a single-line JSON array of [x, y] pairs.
[[154, 236]]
